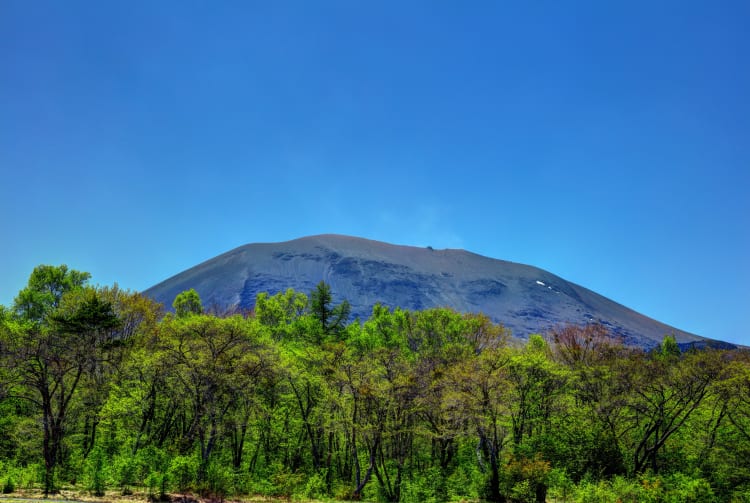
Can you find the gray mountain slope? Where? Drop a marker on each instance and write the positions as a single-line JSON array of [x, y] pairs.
[[364, 272]]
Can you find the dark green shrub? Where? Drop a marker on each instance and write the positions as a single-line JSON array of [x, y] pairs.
[[95, 471], [684, 488], [218, 483], [285, 483], [9, 486], [315, 487], [182, 472], [427, 487], [126, 472], [156, 482]]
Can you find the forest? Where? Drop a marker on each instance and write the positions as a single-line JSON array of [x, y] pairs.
[[102, 389]]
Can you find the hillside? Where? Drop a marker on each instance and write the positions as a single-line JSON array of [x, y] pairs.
[[526, 299]]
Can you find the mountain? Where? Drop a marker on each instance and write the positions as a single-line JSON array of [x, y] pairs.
[[364, 272]]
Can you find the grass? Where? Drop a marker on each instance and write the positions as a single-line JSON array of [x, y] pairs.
[[67, 496]]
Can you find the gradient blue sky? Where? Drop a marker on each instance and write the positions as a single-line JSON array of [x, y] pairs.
[[607, 142]]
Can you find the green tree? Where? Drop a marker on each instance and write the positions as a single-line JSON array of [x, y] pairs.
[[58, 337], [45, 289], [377, 381], [537, 382], [280, 311], [665, 390], [332, 318], [724, 453], [137, 317], [668, 349], [478, 401], [214, 365], [387, 416], [187, 303], [596, 399], [536, 401]]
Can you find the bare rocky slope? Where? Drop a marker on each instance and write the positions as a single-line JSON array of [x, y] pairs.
[[364, 272]]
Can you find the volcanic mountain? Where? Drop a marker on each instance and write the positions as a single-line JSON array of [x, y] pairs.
[[364, 272]]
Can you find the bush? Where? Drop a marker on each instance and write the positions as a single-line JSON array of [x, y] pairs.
[[619, 490], [125, 472], [30, 476], [156, 482], [683, 488], [9, 486], [595, 492], [425, 487], [462, 484], [741, 496], [560, 484], [634, 491], [96, 472], [150, 460], [218, 482], [526, 479], [285, 483], [242, 482], [182, 472], [315, 487]]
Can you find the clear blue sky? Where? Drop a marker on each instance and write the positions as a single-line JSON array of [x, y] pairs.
[[607, 142]]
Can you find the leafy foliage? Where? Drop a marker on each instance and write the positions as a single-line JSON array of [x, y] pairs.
[[187, 303], [100, 390]]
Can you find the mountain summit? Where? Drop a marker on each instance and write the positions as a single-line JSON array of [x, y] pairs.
[[364, 272]]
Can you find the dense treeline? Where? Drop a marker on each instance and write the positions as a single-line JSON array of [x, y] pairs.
[[99, 389]]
